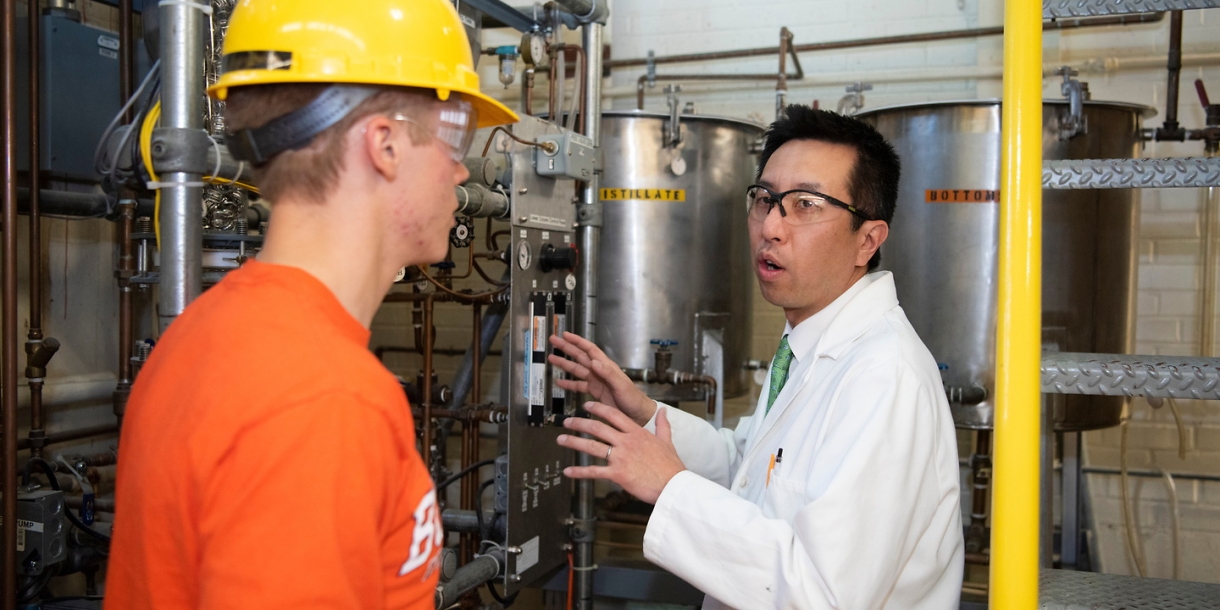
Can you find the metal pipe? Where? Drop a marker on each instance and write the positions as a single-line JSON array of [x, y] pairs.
[[470, 434], [55, 438], [427, 340], [587, 11], [980, 478], [527, 90], [589, 218], [1014, 534], [469, 577], [1070, 24], [127, 64], [126, 263], [781, 78], [1211, 252], [1174, 66], [8, 379], [182, 45], [34, 335], [68, 203], [464, 378], [126, 269]]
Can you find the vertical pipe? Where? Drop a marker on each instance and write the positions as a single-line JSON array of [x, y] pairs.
[[34, 335], [426, 384], [1175, 70], [781, 81], [589, 218], [1207, 305], [1070, 553], [1046, 482], [8, 317], [1014, 547], [126, 266], [470, 432], [181, 108]]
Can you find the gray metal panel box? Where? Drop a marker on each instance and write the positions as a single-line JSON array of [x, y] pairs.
[[79, 91], [41, 533]]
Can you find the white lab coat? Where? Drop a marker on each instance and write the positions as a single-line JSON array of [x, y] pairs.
[[863, 511]]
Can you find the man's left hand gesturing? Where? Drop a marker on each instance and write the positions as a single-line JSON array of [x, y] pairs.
[[639, 461]]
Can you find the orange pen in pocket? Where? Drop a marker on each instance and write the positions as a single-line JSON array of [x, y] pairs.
[[769, 469]]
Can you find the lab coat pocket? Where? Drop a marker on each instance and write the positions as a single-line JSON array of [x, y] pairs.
[[784, 498]]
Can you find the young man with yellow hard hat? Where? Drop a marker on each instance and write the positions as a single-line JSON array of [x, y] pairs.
[[268, 458]]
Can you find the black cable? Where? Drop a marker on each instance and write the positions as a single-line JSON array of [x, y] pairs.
[[37, 584], [484, 534], [503, 601], [49, 470], [463, 472]]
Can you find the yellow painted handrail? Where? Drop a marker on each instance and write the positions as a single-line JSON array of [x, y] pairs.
[[1014, 533]]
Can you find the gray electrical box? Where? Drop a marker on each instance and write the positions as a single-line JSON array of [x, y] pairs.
[[41, 533], [79, 91], [574, 156]]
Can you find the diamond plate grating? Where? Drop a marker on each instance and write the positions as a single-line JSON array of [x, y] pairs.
[[1121, 375], [1185, 172], [1067, 590], [1088, 8]]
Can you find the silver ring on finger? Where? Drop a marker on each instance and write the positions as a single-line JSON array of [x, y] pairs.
[[608, 450]]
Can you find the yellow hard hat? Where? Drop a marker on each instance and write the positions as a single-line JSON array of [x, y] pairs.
[[407, 43]]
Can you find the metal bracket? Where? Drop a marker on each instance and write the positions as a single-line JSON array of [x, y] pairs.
[[1123, 375], [185, 150], [1184, 172], [1054, 9], [590, 214]]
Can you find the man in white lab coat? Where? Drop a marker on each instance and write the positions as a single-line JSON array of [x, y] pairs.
[[841, 490]]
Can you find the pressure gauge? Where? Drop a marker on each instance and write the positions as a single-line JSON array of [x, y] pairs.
[[525, 256], [402, 275], [533, 49], [570, 283]]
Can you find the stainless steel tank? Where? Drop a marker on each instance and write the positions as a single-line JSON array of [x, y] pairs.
[[675, 263], [943, 246]]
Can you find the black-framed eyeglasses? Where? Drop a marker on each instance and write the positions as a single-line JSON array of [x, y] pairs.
[[804, 206]]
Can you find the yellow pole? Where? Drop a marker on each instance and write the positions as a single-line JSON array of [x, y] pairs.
[[1014, 533]]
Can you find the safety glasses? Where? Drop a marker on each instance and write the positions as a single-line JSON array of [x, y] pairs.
[[455, 124]]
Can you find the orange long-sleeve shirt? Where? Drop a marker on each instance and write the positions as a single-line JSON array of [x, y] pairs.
[[268, 460]]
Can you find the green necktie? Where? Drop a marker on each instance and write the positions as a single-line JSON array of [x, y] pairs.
[[779, 371]]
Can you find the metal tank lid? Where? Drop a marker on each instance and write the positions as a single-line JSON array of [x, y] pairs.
[[1145, 112], [644, 114]]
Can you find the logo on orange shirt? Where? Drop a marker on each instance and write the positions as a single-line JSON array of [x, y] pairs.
[[427, 539]]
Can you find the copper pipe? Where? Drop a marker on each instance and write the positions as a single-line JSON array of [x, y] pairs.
[[427, 382], [1068, 24], [710, 382], [126, 263], [56, 438], [643, 80], [550, 103], [470, 433], [126, 269], [781, 78], [34, 336], [8, 379]]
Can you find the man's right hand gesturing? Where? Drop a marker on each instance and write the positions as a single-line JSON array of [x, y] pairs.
[[595, 374]]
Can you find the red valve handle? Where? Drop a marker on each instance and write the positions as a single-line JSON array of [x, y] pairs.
[[1202, 92]]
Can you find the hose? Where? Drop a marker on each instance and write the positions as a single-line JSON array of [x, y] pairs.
[[1132, 544]]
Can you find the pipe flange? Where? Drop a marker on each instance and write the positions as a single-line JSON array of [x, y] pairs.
[[180, 149]]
